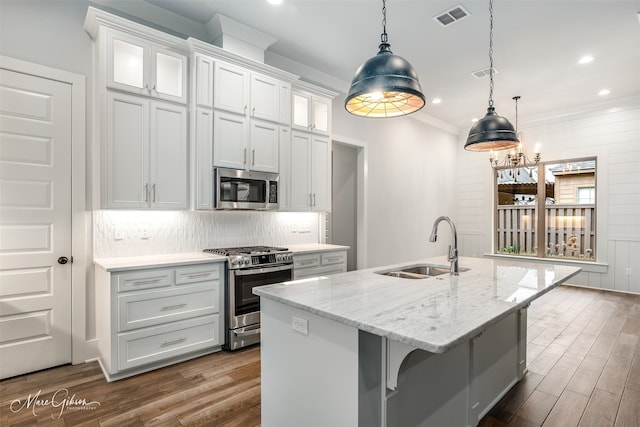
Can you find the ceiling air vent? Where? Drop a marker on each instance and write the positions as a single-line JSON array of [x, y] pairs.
[[452, 15], [483, 72]]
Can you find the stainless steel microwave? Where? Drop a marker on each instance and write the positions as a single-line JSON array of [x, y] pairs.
[[240, 189]]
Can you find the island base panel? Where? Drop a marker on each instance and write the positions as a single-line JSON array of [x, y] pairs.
[[337, 375], [307, 379]]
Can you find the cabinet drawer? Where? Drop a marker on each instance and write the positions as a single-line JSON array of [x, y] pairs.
[[141, 309], [306, 261], [144, 279], [150, 345], [198, 273], [333, 258]]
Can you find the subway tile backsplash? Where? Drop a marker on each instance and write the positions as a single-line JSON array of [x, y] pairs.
[[120, 233]]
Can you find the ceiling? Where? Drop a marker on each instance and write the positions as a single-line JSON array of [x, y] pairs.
[[537, 45]]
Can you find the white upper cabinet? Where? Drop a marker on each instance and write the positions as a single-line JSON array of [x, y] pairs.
[[142, 67], [231, 88], [241, 91], [145, 164], [242, 143], [204, 67], [311, 113], [310, 172]]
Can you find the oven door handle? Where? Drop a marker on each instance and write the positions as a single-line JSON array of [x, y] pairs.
[[246, 332], [251, 271]]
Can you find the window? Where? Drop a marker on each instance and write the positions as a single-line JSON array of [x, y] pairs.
[[586, 195], [565, 192]]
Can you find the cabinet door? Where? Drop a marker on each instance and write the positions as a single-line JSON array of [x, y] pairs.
[[300, 175], [204, 81], [301, 106], [229, 140], [321, 174], [127, 150], [264, 146], [321, 110], [127, 63], [169, 75], [265, 98], [285, 104], [284, 168], [204, 158], [231, 88], [168, 156]]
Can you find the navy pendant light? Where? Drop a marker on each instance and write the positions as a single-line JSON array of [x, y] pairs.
[[386, 85], [492, 132]]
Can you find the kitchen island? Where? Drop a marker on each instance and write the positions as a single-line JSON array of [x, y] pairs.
[[367, 349]]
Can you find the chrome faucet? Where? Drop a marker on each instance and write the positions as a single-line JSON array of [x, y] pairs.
[[452, 257]]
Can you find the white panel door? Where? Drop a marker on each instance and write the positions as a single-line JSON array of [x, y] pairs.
[[168, 161], [35, 223]]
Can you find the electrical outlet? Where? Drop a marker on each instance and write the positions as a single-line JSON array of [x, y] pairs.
[[300, 325], [627, 271], [118, 233], [144, 233]]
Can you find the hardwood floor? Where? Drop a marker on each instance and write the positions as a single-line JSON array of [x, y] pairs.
[[583, 357]]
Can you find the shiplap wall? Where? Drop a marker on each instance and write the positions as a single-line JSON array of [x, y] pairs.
[[608, 130]]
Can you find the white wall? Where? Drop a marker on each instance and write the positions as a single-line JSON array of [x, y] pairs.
[[411, 176], [611, 132]]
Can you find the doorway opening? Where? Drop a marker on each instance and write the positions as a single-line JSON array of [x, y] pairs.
[[347, 220]]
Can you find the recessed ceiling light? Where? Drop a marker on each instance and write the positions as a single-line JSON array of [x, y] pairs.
[[436, 101], [274, 1], [604, 92], [585, 59]]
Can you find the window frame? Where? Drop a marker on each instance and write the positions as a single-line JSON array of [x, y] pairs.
[[541, 230]]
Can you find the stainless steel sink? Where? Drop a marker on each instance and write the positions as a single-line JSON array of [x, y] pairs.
[[419, 271]]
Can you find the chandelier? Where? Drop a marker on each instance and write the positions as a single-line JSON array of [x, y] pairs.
[[516, 158]]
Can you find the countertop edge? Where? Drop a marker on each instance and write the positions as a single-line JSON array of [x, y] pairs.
[[155, 261], [315, 247]]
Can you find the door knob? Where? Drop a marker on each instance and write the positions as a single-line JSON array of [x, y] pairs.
[[63, 260]]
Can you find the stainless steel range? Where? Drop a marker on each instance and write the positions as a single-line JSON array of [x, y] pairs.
[[248, 267]]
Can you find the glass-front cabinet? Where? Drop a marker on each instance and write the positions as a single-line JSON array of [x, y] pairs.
[[311, 113], [144, 68]]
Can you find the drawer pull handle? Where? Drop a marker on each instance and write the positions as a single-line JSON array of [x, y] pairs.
[[174, 342], [307, 262], [174, 307], [195, 276], [147, 282], [335, 258]]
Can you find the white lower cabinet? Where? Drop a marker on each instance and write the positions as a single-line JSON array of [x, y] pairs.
[[319, 264], [149, 318]]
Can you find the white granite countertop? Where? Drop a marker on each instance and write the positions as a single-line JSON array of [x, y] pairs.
[[314, 247], [152, 261], [434, 314]]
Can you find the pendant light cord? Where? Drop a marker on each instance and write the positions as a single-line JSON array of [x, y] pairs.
[[490, 53], [383, 36]]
